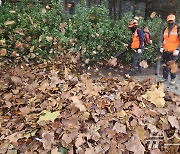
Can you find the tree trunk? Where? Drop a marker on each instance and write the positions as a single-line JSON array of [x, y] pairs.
[[120, 8], [134, 8]]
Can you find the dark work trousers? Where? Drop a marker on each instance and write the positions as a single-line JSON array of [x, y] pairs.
[[136, 62], [166, 57]]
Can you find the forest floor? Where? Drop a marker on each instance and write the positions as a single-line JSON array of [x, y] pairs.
[[54, 107]]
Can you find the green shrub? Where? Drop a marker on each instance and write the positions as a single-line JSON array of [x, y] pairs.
[[89, 30], [32, 25]]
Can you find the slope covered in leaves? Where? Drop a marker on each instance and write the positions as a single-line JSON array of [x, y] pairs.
[[51, 108]]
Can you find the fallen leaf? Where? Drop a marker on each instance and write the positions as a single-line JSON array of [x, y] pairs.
[[25, 110], [32, 49], [49, 38], [12, 11], [13, 138], [16, 80], [153, 14], [30, 133], [14, 54], [43, 10], [173, 121], [18, 45], [80, 140], [173, 67], [119, 128], [143, 64], [90, 151], [19, 31], [48, 116], [78, 103], [121, 114], [66, 138], [44, 85], [47, 140], [135, 145], [7, 96], [112, 61], [10, 22], [138, 112], [155, 95], [62, 25], [87, 61], [47, 7], [31, 20], [3, 147], [141, 132], [55, 151], [3, 52]]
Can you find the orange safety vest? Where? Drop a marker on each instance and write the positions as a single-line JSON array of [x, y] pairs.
[[171, 41], [135, 40]]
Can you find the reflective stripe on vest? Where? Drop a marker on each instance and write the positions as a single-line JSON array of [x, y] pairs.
[[135, 40], [171, 42]]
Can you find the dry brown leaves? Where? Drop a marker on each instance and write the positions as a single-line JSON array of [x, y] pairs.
[[112, 61], [173, 66], [48, 108], [143, 64]]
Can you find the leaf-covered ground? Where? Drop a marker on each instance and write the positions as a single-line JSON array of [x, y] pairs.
[[52, 108]]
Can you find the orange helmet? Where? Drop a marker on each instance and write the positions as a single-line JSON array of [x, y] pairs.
[[133, 23], [171, 17]]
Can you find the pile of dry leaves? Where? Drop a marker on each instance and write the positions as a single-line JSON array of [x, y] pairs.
[[48, 108]]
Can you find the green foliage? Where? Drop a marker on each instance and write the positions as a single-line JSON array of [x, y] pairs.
[[101, 36], [89, 30], [35, 25]]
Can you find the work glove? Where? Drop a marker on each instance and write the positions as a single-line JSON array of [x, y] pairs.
[[161, 50], [139, 50], [175, 52]]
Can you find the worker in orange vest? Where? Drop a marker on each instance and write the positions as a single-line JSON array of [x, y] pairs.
[[169, 47], [137, 45]]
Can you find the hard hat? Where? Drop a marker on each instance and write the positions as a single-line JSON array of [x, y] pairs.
[[171, 17], [133, 23]]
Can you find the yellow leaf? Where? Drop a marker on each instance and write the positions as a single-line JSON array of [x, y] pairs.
[[12, 11], [155, 95], [47, 7], [48, 116], [10, 22], [30, 133]]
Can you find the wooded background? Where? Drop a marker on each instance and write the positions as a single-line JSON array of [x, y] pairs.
[[117, 7], [138, 7]]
